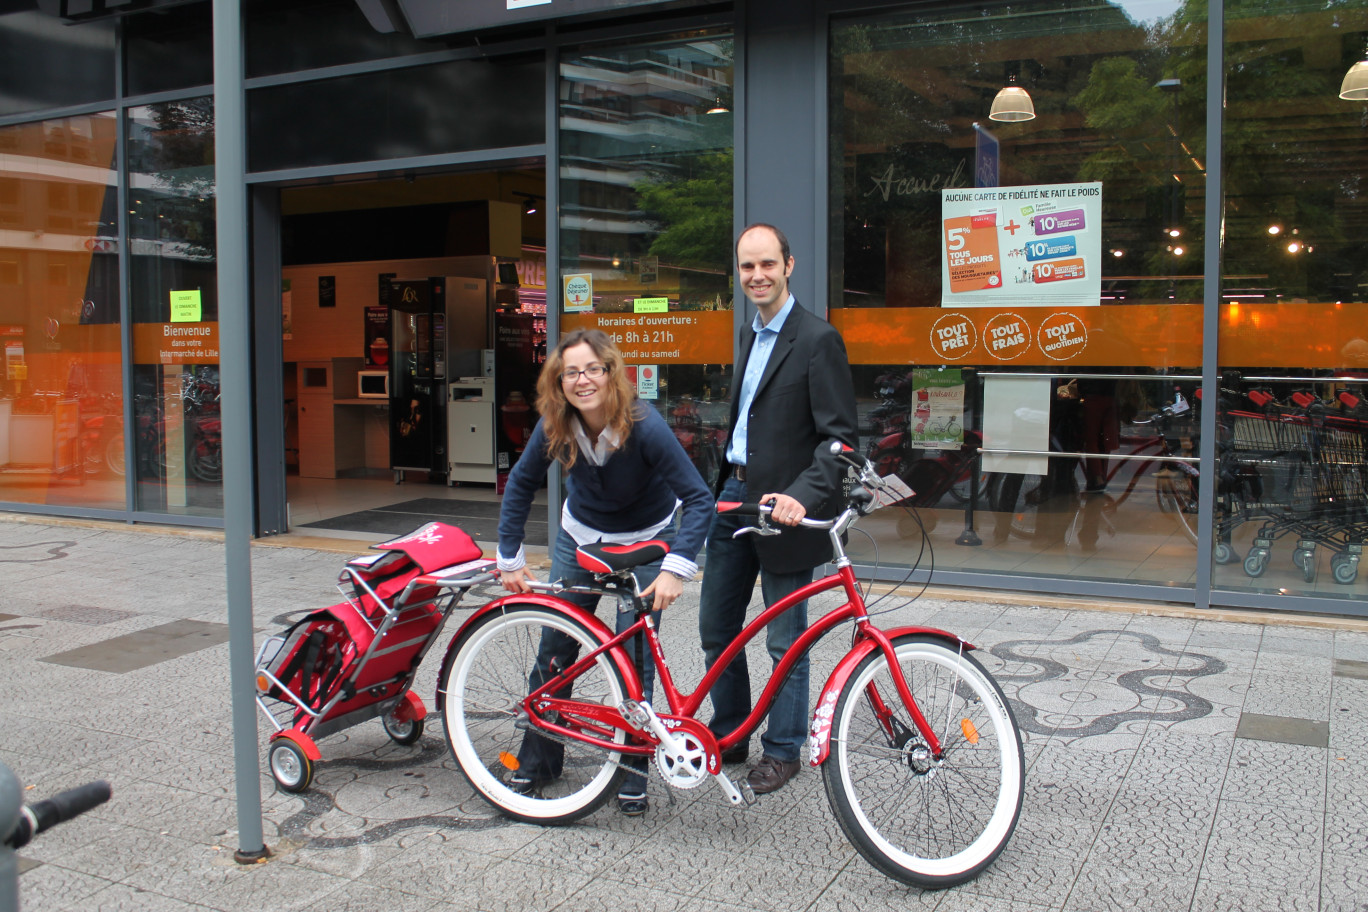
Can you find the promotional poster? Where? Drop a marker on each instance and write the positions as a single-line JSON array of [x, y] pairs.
[[1035, 246]]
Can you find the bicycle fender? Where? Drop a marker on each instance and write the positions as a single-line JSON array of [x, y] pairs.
[[597, 627], [819, 731]]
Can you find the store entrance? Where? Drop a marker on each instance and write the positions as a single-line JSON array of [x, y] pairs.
[[413, 326]]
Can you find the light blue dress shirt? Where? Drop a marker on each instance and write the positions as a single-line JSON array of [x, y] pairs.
[[765, 337]]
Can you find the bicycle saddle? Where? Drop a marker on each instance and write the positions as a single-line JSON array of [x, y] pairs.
[[602, 557]]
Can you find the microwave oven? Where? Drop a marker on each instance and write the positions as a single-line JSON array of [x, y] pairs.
[[372, 384]]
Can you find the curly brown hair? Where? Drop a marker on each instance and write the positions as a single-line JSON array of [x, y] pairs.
[[558, 413]]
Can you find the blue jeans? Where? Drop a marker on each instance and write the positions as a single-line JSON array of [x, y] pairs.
[[540, 758], [728, 579]]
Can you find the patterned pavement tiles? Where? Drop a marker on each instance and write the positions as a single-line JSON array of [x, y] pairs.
[[1138, 794]]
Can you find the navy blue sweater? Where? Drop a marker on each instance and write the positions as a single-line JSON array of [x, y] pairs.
[[635, 489]]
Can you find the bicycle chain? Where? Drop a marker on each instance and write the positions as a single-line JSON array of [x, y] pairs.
[[562, 739]]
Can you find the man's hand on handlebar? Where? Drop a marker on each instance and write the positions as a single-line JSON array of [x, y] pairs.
[[517, 581], [784, 509]]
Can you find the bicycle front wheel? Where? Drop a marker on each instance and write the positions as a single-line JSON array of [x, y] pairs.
[[929, 822], [1177, 494], [485, 686]]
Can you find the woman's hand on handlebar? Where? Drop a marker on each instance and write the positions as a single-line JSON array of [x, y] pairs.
[[665, 590], [784, 509], [516, 580]]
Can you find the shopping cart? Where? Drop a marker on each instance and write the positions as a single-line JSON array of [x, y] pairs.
[[1297, 468], [356, 660]]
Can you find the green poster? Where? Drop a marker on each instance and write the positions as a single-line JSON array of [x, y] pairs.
[[937, 408]]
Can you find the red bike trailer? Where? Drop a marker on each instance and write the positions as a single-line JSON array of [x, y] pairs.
[[356, 660]]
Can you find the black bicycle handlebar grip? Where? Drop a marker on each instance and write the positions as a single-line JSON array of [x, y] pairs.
[[60, 808], [732, 508]]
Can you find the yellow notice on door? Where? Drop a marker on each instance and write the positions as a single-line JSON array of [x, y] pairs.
[[650, 305], [186, 307]]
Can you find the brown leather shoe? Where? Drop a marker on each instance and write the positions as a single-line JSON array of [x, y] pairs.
[[769, 775]]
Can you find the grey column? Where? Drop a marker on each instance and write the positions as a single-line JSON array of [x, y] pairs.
[[268, 352], [781, 150], [235, 360], [1211, 297], [11, 804]]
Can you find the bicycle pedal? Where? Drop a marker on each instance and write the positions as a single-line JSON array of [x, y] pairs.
[[747, 793], [635, 714]]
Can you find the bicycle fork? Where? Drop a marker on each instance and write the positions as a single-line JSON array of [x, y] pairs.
[[896, 732]]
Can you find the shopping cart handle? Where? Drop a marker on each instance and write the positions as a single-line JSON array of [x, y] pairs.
[[458, 576]]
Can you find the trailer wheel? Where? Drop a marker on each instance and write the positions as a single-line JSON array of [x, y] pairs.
[[290, 766], [407, 731]]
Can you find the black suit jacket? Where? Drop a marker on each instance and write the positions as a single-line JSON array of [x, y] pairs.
[[805, 400]]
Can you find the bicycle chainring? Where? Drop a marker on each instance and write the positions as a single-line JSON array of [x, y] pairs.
[[689, 768]]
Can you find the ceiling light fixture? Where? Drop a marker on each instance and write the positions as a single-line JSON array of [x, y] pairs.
[[1012, 104], [1355, 85], [718, 107]]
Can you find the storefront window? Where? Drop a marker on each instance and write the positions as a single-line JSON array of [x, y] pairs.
[[1291, 503], [61, 402], [646, 221], [48, 63], [169, 49], [457, 106], [286, 36], [177, 434], [1017, 238]]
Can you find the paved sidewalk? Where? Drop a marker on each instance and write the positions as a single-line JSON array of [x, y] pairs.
[[1184, 762]]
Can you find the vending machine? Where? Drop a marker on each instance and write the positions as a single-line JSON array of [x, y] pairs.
[[515, 387], [417, 357]]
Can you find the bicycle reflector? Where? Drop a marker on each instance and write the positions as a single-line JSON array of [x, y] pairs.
[[509, 761], [970, 731], [263, 683]]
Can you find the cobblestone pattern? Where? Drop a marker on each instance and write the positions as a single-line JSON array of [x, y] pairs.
[[1138, 793]]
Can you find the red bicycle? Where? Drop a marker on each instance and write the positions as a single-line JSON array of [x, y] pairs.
[[919, 750]]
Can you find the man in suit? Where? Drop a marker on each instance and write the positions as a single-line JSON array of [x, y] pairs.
[[793, 396]]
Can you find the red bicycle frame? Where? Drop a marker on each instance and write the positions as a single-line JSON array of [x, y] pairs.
[[595, 723]]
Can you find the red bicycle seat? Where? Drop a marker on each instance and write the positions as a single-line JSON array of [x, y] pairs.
[[601, 557]]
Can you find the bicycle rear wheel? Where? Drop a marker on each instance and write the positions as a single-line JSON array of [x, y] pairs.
[[927, 822], [484, 688]]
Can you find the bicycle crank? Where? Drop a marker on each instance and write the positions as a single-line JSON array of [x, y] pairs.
[[687, 751], [685, 766]]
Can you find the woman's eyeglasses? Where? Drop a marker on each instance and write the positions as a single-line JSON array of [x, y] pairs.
[[593, 372]]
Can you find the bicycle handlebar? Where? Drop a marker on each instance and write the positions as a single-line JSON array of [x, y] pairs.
[[43, 815], [860, 499], [757, 509]]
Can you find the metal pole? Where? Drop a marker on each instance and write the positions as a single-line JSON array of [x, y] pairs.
[[11, 803], [1211, 297], [970, 537], [235, 358], [555, 487]]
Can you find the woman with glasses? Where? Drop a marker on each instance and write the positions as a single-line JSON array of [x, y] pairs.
[[627, 476]]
